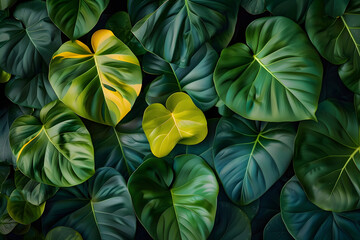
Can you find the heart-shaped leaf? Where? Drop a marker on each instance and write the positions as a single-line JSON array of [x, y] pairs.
[[33, 93], [99, 209], [195, 79], [75, 18], [22, 211], [180, 122], [251, 156], [61, 233], [107, 83], [178, 200], [327, 157], [29, 40], [304, 220], [55, 149], [275, 229], [337, 39], [269, 79], [177, 29]]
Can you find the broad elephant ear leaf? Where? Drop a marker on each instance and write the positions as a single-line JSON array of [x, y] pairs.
[[161, 205], [251, 156], [55, 149], [98, 209], [107, 83], [35, 92], [337, 39], [299, 213], [195, 79], [75, 18], [29, 40], [61, 233], [327, 157], [177, 29], [269, 79], [180, 122], [22, 211]]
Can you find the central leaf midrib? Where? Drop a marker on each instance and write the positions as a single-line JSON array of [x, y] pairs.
[[351, 36], [122, 150]]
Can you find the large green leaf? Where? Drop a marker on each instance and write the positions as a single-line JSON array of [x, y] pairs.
[[140, 8], [304, 220], [178, 200], [338, 39], [295, 10], [75, 18], [177, 29], [22, 211], [33, 192], [120, 25], [28, 40], [327, 157], [7, 224], [106, 85], [230, 223], [35, 92], [63, 233], [99, 209], [335, 8], [270, 79], [55, 149], [275, 229], [251, 156], [180, 122], [195, 79], [6, 4]]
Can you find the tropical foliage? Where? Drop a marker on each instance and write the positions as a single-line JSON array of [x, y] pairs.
[[179, 119]]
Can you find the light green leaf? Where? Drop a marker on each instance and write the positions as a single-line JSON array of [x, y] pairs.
[[55, 149], [327, 157], [27, 41], [99, 209], [75, 18], [269, 79], [22, 211], [250, 156], [107, 83], [180, 122], [178, 200], [63, 233], [4, 76]]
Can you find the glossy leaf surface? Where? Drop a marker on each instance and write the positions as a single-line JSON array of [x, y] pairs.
[[178, 200], [179, 122], [63, 233], [107, 83], [295, 10], [269, 79], [55, 149]]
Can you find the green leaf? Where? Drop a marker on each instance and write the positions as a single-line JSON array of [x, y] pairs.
[[120, 25], [230, 223], [8, 187], [337, 39], [304, 220], [140, 8], [35, 92], [178, 200], [335, 8], [98, 209], [327, 157], [4, 76], [195, 79], [275, 229], [75, 18], [251, 156], [7, 224], [63, 233], [253, 6], [177, 29], [107, 83], [55, 149], [27, 41], [295, 10], [4, 4], [180, 122], [34, 192], [4, 173], [22, 211], [269, 79]]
